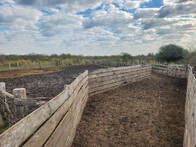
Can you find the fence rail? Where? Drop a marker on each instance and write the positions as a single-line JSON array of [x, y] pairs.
[[54, 122], [172, 71], [190, 111], [106, 79]]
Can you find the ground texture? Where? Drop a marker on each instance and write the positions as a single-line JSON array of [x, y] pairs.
[[143, 114], [43, 82]]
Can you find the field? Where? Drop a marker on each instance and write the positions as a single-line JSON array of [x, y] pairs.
[[147, 113], [44, 82]]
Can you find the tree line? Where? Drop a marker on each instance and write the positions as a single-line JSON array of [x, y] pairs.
[[167, 54]]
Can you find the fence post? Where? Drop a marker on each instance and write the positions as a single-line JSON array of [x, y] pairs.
[[9, 66], [2, 86], [2, 123], [20, 93]]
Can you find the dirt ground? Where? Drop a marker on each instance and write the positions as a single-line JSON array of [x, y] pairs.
[[27, 72], [45, 82], [143, 114]]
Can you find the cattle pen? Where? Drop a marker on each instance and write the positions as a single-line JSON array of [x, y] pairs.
[[142, 105]]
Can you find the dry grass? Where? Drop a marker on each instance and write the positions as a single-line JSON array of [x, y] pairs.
[[26, 72]]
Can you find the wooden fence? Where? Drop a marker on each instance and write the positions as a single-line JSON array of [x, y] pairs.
[[54, 123], [190, 111], [172, 71], [106, 79]]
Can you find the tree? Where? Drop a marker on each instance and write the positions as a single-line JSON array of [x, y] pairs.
[[170, 53], [126, 57]]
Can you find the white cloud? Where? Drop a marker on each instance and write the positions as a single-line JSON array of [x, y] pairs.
[[178, 9], [102, 29], [145, 13], [112, 18], [18, 16]]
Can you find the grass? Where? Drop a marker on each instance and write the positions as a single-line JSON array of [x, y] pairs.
[[4, 128]]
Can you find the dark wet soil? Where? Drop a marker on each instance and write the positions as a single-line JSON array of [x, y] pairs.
[[143, 114], [46, 85]]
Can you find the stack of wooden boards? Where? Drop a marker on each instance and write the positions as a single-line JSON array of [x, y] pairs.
[[106, 79], [172, 71]]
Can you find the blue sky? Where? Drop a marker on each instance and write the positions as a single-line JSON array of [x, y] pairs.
[[98, 27]]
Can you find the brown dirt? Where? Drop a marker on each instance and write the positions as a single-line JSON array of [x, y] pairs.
[[27, 72], [143, 114]]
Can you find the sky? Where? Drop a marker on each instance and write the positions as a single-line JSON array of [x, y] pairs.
[[95, 27]]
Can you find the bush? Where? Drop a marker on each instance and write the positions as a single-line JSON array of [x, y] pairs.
[[170, 53]]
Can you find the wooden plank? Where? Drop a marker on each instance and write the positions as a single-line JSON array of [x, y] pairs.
[[117, 71], [117, 76], [69, 141], [114, 69], [19, 132], [102, 74], [44, 132], [78, 110], [121, 73], [110, 81], [115, 83], [111, 73], [96, 84], [120, 68], [114, 87], [62, 132]]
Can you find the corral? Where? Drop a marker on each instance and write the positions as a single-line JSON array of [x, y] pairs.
[[128, 106], [145, 113]]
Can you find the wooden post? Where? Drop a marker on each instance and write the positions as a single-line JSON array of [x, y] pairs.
[[20, 93], [2, 86], [9, 66], [2, 124]]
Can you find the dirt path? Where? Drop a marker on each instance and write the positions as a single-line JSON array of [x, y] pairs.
[[144, 114]]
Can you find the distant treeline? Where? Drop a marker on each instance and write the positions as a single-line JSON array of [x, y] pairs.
[[41, 61], [167, 54]]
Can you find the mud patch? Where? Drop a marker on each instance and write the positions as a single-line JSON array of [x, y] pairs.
[[46, 85]]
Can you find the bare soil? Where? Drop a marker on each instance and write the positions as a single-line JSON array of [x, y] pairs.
[[26, 72], [143, 114], [45, 82]]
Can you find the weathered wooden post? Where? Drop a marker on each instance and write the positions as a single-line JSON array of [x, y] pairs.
[[9, 66], [2, 86], [20, 93], [2, 123], [3, 91]]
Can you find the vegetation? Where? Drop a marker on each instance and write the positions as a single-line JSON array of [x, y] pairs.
[[170, 53], [167, 54], [32, 61], [175, 54], [126, 57]]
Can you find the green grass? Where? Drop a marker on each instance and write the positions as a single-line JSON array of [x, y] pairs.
[[2, 129]]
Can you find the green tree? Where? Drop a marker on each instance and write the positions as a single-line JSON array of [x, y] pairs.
[[126, 57], [170, 53]]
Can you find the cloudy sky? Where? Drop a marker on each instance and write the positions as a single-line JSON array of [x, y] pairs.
[[95, 27]]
